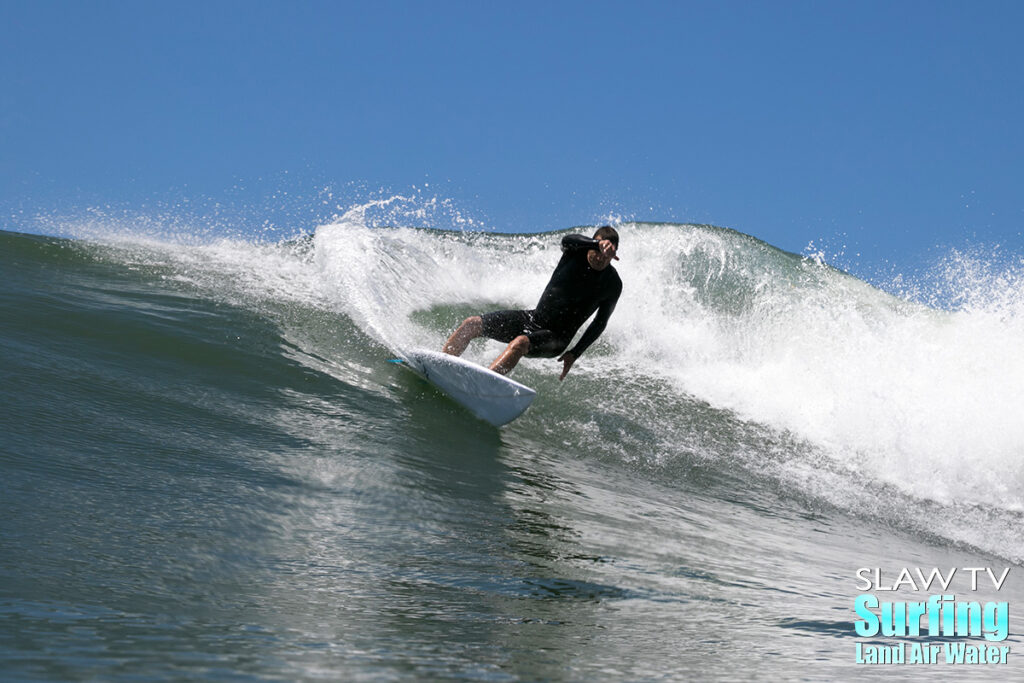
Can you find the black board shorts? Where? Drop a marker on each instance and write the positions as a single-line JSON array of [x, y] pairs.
[[504, 326]]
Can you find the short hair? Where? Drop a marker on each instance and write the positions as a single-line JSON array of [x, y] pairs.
[[607, 232]]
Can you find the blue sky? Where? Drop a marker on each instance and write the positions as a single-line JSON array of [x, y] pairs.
[[890, 128]]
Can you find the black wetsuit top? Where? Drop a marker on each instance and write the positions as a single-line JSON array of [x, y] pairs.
[[575, 291]]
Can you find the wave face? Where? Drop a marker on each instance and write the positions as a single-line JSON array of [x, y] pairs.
[[731, 370]]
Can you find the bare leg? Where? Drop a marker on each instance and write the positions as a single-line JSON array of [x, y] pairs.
[[470, 329], [515, 350]]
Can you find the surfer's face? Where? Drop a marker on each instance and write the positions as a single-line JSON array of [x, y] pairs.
[[600, 258]]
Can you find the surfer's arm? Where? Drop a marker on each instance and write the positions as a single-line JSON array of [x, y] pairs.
[[611, 297], [579, 243], [595, 328]]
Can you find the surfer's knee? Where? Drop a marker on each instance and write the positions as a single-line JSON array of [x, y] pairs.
[[470, 328], [521, 344], [473, 325]]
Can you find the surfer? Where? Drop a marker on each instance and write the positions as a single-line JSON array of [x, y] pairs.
[[584, 281]]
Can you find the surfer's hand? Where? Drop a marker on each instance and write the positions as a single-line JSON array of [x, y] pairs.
[[608, 249], [567, 358]]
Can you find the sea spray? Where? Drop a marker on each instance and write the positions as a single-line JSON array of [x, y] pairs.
[[839, 390]]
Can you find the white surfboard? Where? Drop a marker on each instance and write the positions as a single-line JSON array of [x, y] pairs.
[[488, 395]]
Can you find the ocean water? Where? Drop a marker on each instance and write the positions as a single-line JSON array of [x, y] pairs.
[[209, 469]]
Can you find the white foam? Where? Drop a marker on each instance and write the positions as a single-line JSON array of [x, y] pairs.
[[923, 399]]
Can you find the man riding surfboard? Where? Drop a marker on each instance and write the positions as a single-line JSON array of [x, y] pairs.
[[584, 281]]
